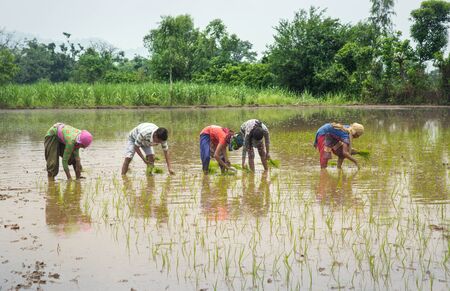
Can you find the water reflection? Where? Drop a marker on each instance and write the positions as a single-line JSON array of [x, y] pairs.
[[336, 190], [214, 197], [256, 200], [145, 202], [411, 141], [63, 213]]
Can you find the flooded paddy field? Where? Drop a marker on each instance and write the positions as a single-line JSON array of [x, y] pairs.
[[385, 226]]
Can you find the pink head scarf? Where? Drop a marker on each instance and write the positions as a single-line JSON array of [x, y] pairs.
[[84, 138]]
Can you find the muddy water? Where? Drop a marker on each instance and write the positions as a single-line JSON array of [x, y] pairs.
[[385, 226]]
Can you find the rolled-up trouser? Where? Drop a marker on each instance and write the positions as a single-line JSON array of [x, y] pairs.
[[53, 150], [130, 151], [205, 151], [325, 151]]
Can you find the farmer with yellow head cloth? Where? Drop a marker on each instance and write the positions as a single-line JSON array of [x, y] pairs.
[[337, 138], [65, 141]]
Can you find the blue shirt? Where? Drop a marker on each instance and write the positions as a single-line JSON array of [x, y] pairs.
[[328, 129]]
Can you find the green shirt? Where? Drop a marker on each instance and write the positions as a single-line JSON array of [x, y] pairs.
[[69, 135]]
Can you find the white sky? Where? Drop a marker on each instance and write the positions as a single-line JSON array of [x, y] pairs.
[[124, 23]]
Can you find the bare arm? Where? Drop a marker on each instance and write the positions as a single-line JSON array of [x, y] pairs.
[[138, 151], [347, 154], [78, 168], [221, 148], [169, 168]]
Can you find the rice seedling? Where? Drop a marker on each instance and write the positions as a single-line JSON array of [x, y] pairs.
[[294, 230], [274, 163], [152, 169], [365, 154], [213, 167]]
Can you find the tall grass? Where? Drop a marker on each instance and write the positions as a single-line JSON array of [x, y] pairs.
[[60, 95]]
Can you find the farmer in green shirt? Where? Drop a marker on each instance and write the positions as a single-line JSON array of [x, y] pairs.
[[64, 141]]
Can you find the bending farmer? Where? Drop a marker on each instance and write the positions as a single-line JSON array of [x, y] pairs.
[[337, 138], [253, 131], [65, 141], [213, 143], [145, 136]]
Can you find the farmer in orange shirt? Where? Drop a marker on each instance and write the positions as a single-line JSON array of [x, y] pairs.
[[214, 140]]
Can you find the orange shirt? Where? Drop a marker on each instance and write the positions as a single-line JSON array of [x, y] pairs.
[[216, 134]]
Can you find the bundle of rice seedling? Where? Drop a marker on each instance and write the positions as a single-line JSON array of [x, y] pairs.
[[237, 166], [364, 154], [157, 170], [151, 169], [274, 163], [213, 167], [228, 173]]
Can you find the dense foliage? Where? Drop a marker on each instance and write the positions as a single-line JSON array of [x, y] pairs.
[[312, 53]]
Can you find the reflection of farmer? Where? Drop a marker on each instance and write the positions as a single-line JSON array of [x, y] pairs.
[[145, 136], [145, 203], [253, 132], [334, 190], [65, 141], [337, 138], [63, 210], [213, 143], [256, 200], [214, 198]]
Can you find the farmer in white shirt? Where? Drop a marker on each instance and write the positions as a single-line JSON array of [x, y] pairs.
[[145, 136], [253, 132]]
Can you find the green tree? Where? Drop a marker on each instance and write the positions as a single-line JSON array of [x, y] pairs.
[[394, 75], [63, 59], [179, 51], [248, 74], [128, 71], [8, 68], [93, 66], [443, 63], [381, 13], [430, 26], [226, 49], [39, 61], [349, 69], [172, 46], [34, 61], [304, 48]]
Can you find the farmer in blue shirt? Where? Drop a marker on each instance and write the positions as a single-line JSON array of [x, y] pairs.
[[337, 138]]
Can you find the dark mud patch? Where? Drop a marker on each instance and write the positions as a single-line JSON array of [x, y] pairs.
[[35, 276], [14, 226]]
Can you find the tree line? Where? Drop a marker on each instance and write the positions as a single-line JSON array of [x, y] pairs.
[[368, 61]]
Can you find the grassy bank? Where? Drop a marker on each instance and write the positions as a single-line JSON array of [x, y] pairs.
[[63, 95]]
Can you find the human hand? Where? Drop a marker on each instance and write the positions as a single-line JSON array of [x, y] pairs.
[[171, 172], [151, 159], [267, 156]]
